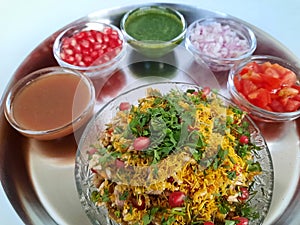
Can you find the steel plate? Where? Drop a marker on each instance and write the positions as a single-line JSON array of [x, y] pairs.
[[38, 177]]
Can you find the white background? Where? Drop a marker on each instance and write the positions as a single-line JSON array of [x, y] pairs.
[[26, 23]]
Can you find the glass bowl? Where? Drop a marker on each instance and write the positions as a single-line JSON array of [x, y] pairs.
[[50, 103], [93, 172], [220, 42], [267, 106], [93, 48], [153, 31]]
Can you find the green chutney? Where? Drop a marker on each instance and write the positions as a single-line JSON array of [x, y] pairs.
[[153, 25]]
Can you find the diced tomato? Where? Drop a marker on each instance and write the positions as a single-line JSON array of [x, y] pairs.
[[269, 86], [276, 106], [288, 92], [261, 97], [292, 105], [288, 79], [237, 83], [247, 86], [253, 66]]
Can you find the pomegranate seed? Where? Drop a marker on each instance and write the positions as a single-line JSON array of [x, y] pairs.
[[69, 52], [208, 223], [105, 38], [73, 42], [107, 30], [140, 204], [119, 163], [141, 143], [104, 47], [176, 199], [124, 106], [244, 194], [97, 46], [241, 220], [87, 59], [205, 91], [244, 139], [85, 43]]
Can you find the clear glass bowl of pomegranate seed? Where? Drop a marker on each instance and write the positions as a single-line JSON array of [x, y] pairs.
[[94, 48]]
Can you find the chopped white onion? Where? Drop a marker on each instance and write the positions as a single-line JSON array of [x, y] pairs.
[[219, 41]]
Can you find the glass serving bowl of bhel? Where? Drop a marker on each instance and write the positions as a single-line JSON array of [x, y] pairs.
[[267, 87], [146, 157]]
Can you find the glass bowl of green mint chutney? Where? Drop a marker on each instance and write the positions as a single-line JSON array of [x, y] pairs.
[[153, 31]]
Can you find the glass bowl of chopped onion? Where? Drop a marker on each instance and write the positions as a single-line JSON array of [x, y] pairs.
[[173, 153], [267, 87], [91, 47], [220, 42]]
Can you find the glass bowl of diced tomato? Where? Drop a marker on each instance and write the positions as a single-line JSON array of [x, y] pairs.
[[267, 87], [91, 47]]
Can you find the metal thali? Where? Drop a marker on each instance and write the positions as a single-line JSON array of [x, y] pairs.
[[38, 177]]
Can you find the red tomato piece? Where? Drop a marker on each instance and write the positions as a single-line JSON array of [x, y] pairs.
[[288, 79], [292, 105], [261, 97], [141, 143], [288, 92], [247, 86], [176, 199], [253, 66], [256, 78], [276, 106], [237, 83]]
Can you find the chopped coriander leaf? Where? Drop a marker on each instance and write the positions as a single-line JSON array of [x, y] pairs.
[[254, 167], [124, 196], [231, 175], [95, 196]]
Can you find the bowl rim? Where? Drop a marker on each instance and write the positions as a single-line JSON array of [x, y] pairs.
[[231, 22], [157, 8], [31, 77], [86, 24], [274, 116]]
